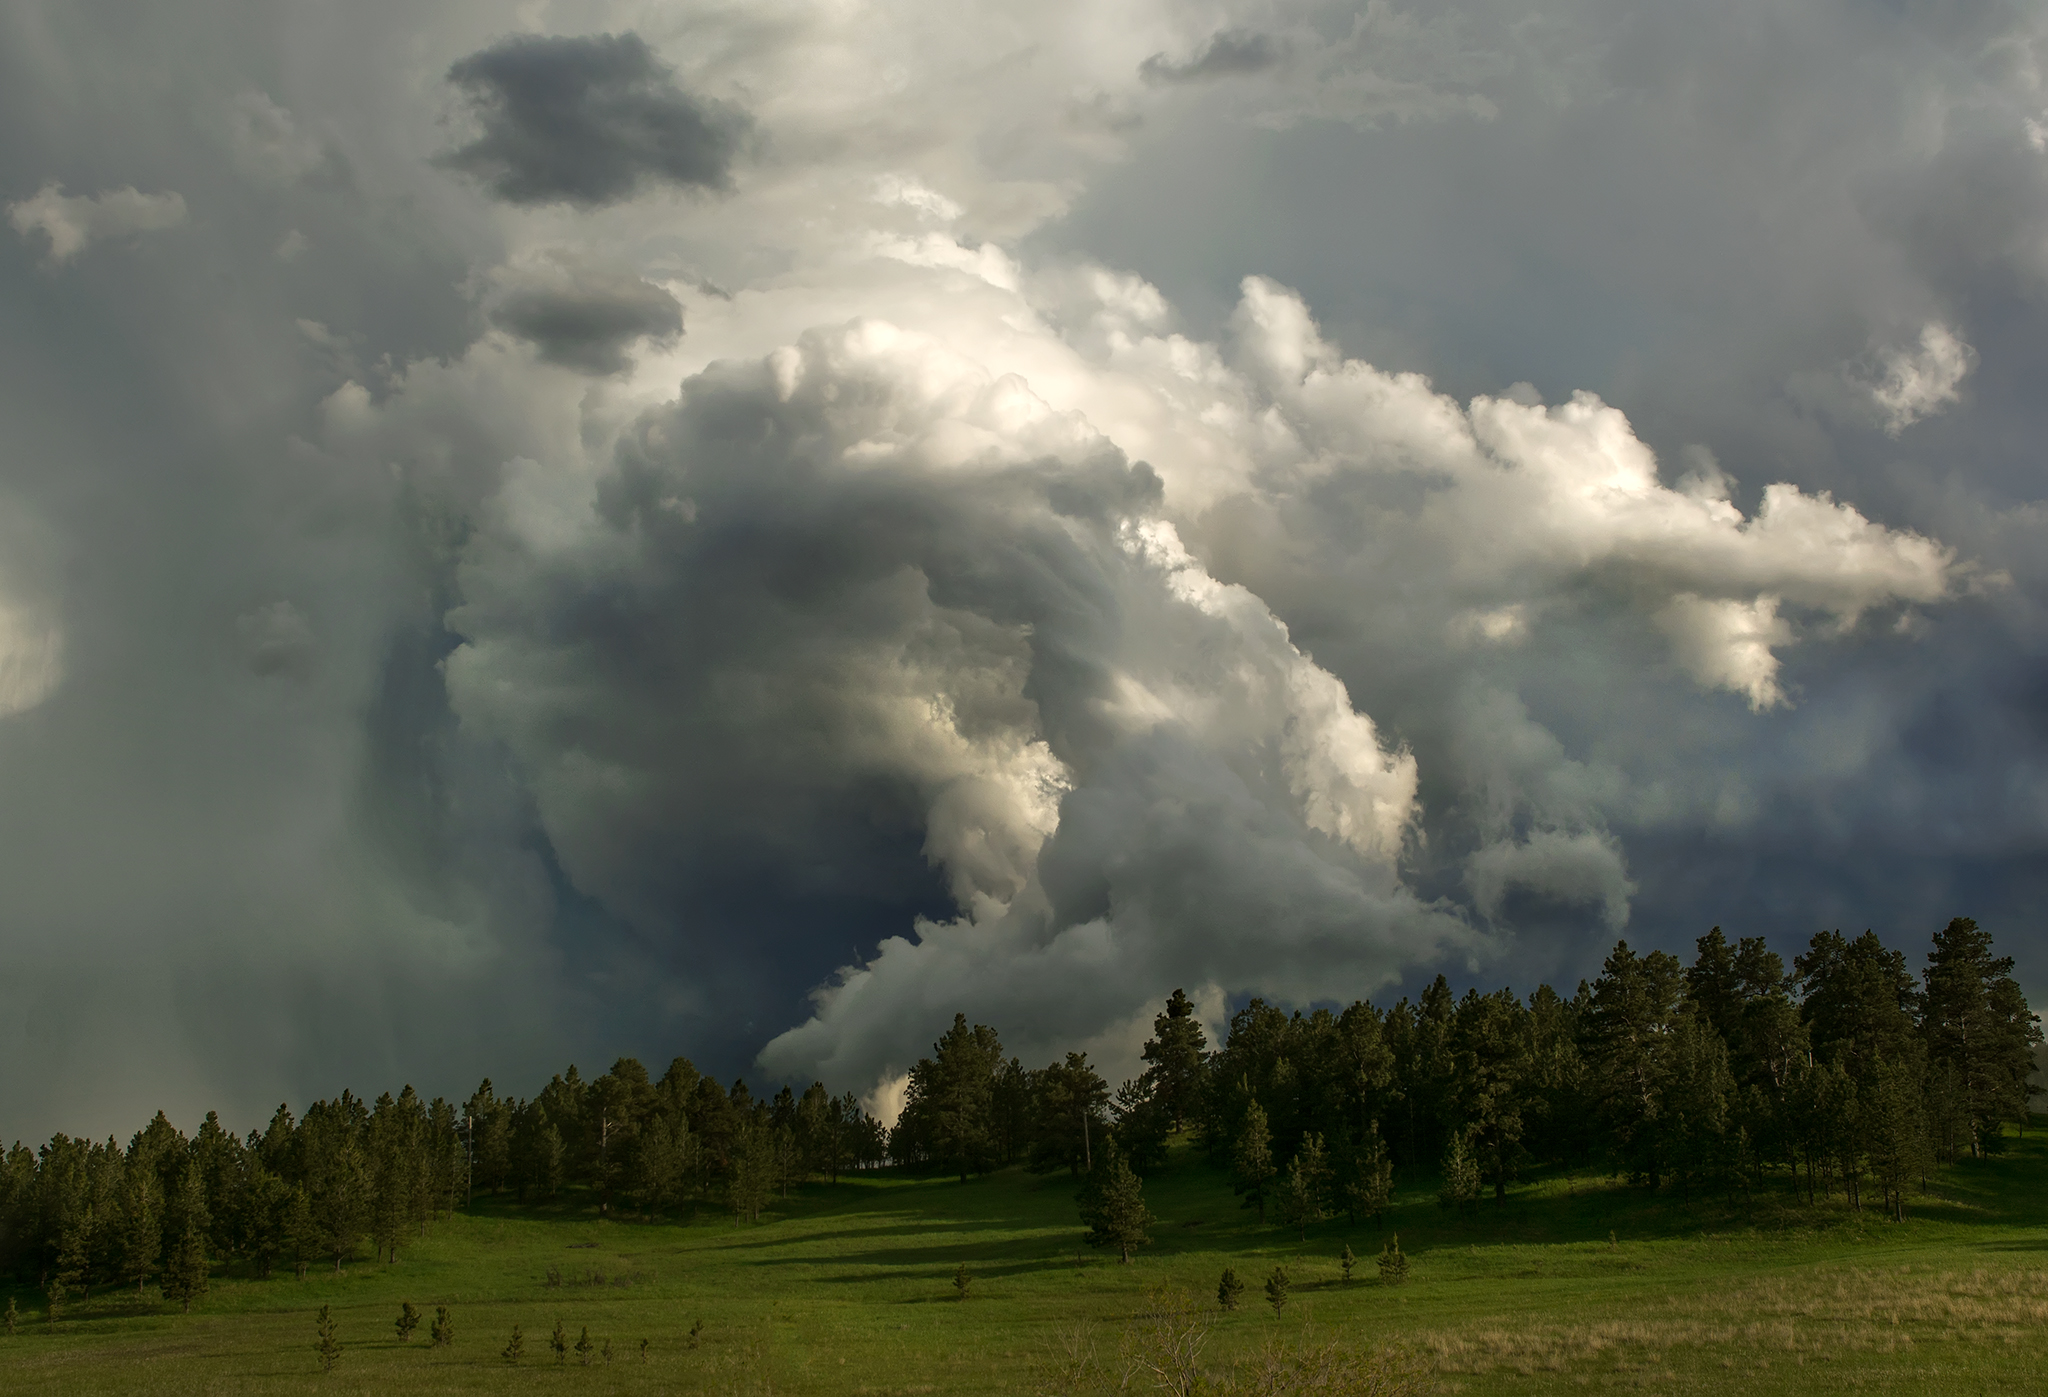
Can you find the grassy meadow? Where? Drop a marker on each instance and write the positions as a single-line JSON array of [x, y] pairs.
[[1570, 1286]]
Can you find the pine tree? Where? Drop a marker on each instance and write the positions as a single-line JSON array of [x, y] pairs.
[[559, 1342], [442, 1332], [584, 1348], [961, 1281], [1348, 1262], [1393, 1265], [13, 1315], [329, 1347], [142, 1233], [1461, 1175], [1977, 1025], [185, 1274], [1177, 1051], [408, 1320], [1307, 1184], [1252, 1160], [1113, 1206], [1369, 1177], [1276, 1291], [1229, 1289], [516, 1349]]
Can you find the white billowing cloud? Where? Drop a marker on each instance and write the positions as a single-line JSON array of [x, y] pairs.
[[71, 222], [1922, 381], [1729, 644], [1128, 775]]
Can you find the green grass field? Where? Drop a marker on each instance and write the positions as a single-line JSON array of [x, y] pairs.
[[849, 1289]]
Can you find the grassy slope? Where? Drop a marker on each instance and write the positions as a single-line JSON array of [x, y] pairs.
[[849, 1289]]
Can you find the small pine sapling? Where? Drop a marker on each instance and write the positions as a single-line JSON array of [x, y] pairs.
[[1276, 1291], [1229, 1289], [961, 1281], [55, 1295], [584, 1348], [643, 1350], [515, 1350], [13, 1314], [443, 1330], [559, 1342], [696, 1331], [1349, 1260], [329, 1347], [1393, 1265], [407, 1321], [607, 1353]]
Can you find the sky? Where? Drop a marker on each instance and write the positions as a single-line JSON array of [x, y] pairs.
[[532, 533]]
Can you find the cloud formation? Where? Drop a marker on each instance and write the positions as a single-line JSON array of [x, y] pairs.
[[70, 222], [1393, 504], [587, 120], [582, 317]]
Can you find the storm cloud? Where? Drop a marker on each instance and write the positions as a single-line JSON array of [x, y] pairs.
[[584, 318], [1281, 499], [587, 120]]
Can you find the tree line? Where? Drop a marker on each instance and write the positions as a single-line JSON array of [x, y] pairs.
[[1844, 1075], [78, 1215]]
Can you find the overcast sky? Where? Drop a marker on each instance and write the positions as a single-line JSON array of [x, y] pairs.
[[533, 533]]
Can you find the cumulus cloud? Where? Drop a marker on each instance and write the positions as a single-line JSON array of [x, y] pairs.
[[588, 120], [71, 222], [583, 317], [1922, 381]]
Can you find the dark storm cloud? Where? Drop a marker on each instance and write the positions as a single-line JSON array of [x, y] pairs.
[[587, 320], [1229, 53], [588, 121]]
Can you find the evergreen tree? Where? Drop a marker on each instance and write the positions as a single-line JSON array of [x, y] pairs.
[[1368, 1177], [408, 1320], [1692, 1107], [1303, 1193], [1177, 1052], [1859, 1001], [1461, 1175], [142, 1232], [516, 1349], [961, 1282], [1252, 1160], [187, 1268], [329, 1346], [1229, 1290], [1347, 1262], [1068, 1101], [584, 1348], [1894, 1132], [559, 1342], [1491, 1042], [1393, 1265], [1113, 1206], [1627, 1030], [1276, 1291], [442, 1331], [1977, 1025]]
